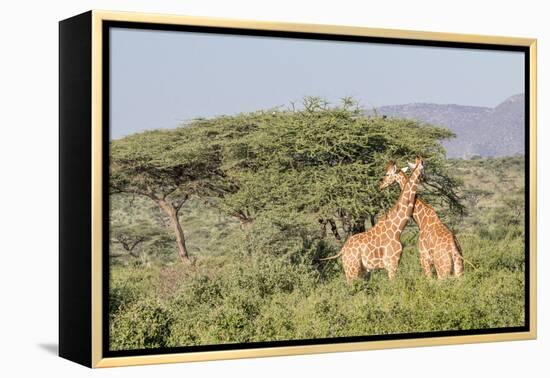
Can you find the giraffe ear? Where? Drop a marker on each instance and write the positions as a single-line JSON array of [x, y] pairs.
[[411, 165], [405, 169]]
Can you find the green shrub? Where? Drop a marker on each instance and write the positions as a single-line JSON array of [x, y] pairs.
[[127, 285], [144, 324]]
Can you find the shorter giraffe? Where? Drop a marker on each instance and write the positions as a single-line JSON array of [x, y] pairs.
[[437, 244], [380, 246]]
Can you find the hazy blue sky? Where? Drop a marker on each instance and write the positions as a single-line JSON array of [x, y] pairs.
[[160, 79]]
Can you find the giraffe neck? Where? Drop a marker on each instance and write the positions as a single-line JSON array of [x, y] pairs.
[[422, 213], [405, 204]]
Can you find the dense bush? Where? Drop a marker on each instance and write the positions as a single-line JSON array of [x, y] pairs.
[[262, 297], [144, 324]]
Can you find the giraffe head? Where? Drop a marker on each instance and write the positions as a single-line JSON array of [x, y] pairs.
[[392, 175], [389, 177], [418, 164]]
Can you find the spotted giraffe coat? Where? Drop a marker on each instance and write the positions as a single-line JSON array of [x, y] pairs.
[[437, 245], [380, 246]]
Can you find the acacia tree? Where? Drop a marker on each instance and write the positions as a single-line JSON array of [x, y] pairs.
[[327, 162], [168, 167], [131, 237], [317, 164]]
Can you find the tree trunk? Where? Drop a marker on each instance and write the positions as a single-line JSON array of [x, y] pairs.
[[334, 229], [358, 226], [323, 223], [372, 220], [172, 213]]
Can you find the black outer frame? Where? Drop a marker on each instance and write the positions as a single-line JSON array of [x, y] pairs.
[[75, 110], [75, 189]]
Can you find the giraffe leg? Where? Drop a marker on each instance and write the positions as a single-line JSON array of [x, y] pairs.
[[392, 272], [352, 265], [438, 271], [391, 259], [456, 254], [458, 261], [442, 262], [425, 258], [426, 262], [365, 264], [352, 274]]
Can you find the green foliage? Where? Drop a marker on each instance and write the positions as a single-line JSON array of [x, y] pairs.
[[264, 284], [137, 232], [144, 324], [163, 163], [268, 298], [324, 161], [257, 193]]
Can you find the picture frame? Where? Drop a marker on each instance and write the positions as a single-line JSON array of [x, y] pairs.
[[84, 148]]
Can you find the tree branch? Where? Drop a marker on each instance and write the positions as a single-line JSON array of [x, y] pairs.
[[179, 205]]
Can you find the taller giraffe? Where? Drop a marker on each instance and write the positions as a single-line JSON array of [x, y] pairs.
[[380, 246], [437, 244]]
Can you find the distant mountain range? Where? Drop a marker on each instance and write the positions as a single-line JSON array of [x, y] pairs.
[[488, 132]]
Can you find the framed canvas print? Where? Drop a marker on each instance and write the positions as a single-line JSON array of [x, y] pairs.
[[235, 189]]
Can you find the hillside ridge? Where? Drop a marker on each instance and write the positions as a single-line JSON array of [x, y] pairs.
[[483, 131]]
